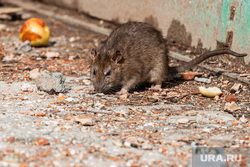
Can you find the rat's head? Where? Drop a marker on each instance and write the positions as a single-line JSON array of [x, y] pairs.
[[105, 69]]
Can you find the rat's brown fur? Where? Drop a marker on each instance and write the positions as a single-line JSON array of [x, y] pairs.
[[136, 53]]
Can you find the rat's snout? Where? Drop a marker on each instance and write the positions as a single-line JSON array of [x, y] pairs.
[[99, 87]]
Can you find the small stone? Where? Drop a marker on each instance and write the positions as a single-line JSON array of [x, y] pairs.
[[84, 120], [52, 54], [117, 143], [182, 121], [2, 27], [69, 99], [231, 106], [38, 58], [155, 95], [72, 57], [147, 146], [9, 58], [25, 47], [99, 105], [127, 144], [206, 130], [73, 39], [231, 98], [205, 80], [119, 119], [121, 112], [86, 82], [25, 98], [132, 139], [244, 75], [243, 119], [50, 83], [35, 72], [26, 16], [217, 98], [27, 87], [101, 22], [170, 94], [236, 88]]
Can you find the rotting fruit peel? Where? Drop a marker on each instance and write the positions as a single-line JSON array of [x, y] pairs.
[[35, 31], [210, 92]]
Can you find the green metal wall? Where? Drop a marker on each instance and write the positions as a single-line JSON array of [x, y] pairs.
[[209, 21]]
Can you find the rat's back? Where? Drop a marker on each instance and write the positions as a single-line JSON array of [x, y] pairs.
[[144, 53]]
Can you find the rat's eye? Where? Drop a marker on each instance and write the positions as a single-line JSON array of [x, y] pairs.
[[94, 72], [108, 73]]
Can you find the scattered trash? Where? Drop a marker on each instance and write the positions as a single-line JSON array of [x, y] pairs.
[[231, 107], [210, 92], [231, 98], [190, 75], [205, 80], [236, 88], [78, 127]]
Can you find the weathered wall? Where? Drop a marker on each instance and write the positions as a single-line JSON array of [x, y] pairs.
[[72, 4], [193, 22]]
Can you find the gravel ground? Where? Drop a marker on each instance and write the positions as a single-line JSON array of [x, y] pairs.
[[81, 128]]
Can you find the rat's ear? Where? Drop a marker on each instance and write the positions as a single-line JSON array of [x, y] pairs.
[[93, 54], [116, 57]]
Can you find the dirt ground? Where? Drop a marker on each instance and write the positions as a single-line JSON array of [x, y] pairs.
[[80, 128]]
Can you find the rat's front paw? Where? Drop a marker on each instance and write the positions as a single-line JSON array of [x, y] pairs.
[[156, 88], [122, 92]]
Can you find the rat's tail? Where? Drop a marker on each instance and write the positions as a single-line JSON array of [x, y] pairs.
[[196, 61]]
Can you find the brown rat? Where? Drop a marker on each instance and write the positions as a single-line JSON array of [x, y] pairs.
[[136, 53]]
